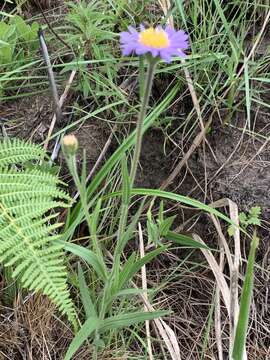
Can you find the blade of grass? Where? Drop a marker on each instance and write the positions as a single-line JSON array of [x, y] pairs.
[[88, 305], [242, 324]]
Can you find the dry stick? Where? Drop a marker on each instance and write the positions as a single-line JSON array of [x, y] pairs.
[[51, 28], [144, 286], [57, 107], [47, 60], [61, 102]]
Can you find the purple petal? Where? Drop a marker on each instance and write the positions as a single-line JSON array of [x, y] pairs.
[[178, 41], [154, 52]]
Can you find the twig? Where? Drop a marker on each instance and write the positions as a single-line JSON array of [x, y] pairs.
[[45, 53], [61, 102], [51, 28]]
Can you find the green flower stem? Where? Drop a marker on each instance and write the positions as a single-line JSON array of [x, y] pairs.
[[112, 284], [71, 162], [139, 129], [138, 145]]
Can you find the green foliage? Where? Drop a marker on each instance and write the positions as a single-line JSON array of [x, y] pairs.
[[251, 218], [28, 247], [115, 322], [161, 229], [18, 42], [91, 37]]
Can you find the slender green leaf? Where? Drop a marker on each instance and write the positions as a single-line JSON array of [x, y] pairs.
[[130, 269], [125, 320], [126, 181], [242, 324], [175, 197], [184, 240], [77, 214], [89, 307]]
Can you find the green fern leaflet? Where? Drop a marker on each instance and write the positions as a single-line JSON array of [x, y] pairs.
[[28, 197]]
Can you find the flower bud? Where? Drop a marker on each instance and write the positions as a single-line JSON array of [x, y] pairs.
[[70, 144]]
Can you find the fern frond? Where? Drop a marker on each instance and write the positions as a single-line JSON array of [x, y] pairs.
[[18, 151], [28, 200]]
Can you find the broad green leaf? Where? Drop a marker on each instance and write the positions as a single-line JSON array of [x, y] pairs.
[[129, 292], [255, 211], [165, 225], [89, 327], [89, 256], [22, 28]]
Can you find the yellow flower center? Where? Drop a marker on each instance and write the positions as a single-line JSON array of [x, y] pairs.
[[156, 38]]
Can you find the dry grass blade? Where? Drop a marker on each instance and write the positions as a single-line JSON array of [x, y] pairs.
[[233, 265], [165, 332], [219, 276], [223, 241], [218, 331], [165, 6], [218, 326], [144, 286]]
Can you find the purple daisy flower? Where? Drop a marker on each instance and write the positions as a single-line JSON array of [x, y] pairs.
[[163, 42]]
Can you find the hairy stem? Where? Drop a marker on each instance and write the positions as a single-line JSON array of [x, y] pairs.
[[139, 129]]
